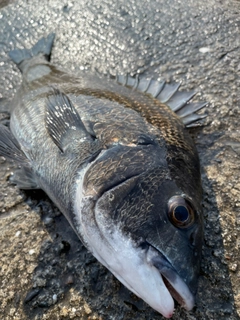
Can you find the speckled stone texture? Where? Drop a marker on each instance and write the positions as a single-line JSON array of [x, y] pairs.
[[45, 272]]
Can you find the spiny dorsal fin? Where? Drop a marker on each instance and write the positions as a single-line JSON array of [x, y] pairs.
[[62, 120], [170, 95]]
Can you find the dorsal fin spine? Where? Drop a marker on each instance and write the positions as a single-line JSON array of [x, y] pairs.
[[169, 94]]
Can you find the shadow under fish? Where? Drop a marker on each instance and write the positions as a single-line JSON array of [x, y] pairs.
[[115, 156]]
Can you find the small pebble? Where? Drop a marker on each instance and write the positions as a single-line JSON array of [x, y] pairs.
[[233, 267], [48, 220], [204, 50], [32, 294], [54, 297]]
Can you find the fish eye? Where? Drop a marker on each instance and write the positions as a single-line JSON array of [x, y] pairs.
[[180, 212]]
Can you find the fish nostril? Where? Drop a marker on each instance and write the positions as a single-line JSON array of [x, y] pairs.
[[192, 238]]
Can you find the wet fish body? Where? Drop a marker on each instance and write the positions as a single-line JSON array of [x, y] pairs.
[[120, 165]]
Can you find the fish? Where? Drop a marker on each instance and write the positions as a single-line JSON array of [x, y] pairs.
[[115, 156]]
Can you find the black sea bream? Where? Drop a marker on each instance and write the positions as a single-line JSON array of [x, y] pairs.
[[115, 156]]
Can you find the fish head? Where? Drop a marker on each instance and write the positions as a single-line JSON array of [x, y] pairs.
[[140, 223]]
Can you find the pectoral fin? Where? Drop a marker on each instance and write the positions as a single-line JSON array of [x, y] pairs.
[[66, 128]]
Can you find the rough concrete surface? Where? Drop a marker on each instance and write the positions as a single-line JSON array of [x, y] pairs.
[[45, 272]]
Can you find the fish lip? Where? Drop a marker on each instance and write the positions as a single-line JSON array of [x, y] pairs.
[[173, 282], [176, 296]]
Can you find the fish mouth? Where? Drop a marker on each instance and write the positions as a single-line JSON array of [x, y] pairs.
[[176, 296], [173, 282]]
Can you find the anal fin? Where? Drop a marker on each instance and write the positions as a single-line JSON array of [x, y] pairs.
[[9, 148]]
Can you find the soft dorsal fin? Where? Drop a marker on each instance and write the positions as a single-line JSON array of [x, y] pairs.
[[63, 122], [170, 95]]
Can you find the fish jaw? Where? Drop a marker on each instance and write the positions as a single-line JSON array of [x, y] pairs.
[[130, 266], [140, 270], [176, 286]]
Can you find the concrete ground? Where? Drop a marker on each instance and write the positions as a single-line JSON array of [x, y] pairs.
[[45, 272]]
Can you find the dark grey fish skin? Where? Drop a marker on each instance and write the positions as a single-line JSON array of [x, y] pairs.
[[121, 167]]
